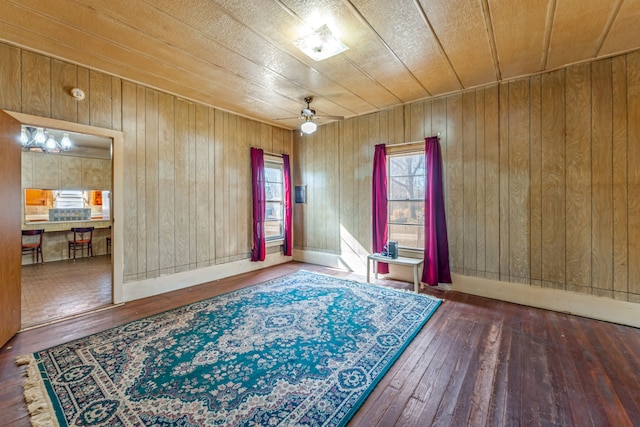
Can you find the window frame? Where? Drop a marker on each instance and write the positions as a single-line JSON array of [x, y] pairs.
[[269, 162], [395, 154]]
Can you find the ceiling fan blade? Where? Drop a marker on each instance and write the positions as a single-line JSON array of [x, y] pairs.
[[330, 117], [288, 118], [308, 114]]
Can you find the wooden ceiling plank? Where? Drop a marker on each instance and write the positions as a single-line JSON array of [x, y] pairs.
[[382, 63], [382, 41], [367, 52], [272, 23], [548, 27], [404, 32], [158, 57], [210, 22], [625, 31], [488, 25], [519, 30], [214, 95], [211, 48], [577, 27], [605, 31], [190, 49], [282, 29], [459, 25]]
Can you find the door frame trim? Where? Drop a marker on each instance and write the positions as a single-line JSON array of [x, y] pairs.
[[117, 187]]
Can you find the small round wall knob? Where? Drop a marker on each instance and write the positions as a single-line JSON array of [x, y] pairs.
[[77, 93]]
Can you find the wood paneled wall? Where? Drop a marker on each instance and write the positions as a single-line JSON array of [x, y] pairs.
[[186, 166], [542, 178]]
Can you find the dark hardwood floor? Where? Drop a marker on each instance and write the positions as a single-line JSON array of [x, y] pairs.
[[477, 362]]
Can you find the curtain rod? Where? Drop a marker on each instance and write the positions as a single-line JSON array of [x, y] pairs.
[[412, 142], [272, 154]]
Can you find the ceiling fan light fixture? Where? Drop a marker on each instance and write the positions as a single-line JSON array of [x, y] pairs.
[[321, 44], [308, 127]]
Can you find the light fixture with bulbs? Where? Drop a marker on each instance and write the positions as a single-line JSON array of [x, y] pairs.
[[308, 127], [320, 44], [39, 139]]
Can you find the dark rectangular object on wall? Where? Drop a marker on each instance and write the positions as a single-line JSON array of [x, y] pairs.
[[301, 194]]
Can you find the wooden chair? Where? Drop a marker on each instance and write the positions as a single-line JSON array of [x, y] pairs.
[[108, 240], [82, 237], [33, 247]]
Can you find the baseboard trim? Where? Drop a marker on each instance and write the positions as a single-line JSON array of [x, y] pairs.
[[593, 307], [173, 282], [318, 258]]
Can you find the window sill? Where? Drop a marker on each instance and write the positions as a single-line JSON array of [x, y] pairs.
[[274, 242]]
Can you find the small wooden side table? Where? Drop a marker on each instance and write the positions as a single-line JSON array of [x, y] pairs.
[[409, 262]]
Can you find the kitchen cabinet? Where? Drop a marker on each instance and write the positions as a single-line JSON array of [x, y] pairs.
[[46, 171], [70, 173], [65, 172]]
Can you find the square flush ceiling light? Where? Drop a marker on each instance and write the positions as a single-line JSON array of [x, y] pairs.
[[320, 44]]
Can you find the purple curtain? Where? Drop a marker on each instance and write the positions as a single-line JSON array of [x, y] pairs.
[[379, 202], [436, 245], [288, 225], [259, 249]]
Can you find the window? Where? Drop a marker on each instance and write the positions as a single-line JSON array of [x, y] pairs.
[[274, 192], [406, 187]]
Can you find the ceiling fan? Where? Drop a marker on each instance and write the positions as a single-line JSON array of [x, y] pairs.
[[308, 115]]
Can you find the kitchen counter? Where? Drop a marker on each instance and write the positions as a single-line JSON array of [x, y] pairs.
[[50, 226], [57, 234]]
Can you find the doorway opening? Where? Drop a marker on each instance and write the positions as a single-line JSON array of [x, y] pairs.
[[60, 287], [63, 191]]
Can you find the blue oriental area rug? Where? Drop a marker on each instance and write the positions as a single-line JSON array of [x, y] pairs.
[[300, 350]]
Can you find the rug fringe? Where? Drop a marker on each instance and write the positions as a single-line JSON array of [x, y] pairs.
[[24, 360], [35, 395]]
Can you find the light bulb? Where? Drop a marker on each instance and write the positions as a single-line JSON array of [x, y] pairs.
[[308, 127], [51, 143], [65, 142], [40, 137], [24, 138]]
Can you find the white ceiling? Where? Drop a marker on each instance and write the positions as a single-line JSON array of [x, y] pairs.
[[239, 55]]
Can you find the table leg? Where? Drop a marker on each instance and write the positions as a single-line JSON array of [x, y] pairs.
[[415, 278], [375, 268], [368, 270]]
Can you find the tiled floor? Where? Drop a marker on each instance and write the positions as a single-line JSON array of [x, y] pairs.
[[59, 289]]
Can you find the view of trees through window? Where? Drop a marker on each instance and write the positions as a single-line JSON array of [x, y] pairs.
[[406, 186], [274, 190]]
